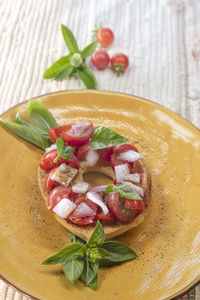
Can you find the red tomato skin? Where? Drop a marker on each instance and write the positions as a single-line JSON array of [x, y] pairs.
[[124, 148], [105, 154], [100, 59], [120, 59], [49, 183], [134, 204], [48, 164], [72, 140], [83, 151], [58, 193], [116, 206], [105, 37], [83, 220], [108, 217], [57, 131]]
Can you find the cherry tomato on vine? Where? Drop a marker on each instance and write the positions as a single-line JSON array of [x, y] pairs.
[[105, 37], [100, 59], [119, 63]]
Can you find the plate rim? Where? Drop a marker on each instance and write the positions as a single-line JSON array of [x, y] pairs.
[[179, 293]]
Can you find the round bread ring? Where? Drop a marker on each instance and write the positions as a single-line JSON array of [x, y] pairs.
[[84, 232]]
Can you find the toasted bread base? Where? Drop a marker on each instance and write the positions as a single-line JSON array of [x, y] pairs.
[[84, 232]]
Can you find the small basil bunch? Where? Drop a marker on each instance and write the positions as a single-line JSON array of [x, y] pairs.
[[74, 62], [80, 260]]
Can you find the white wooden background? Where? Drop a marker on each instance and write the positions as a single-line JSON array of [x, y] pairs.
[[161, 38]]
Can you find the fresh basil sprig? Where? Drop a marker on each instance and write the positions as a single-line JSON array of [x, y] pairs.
[[63, 150], [81, 259], [104, 137], [74, 62], [124, 191], [37, 134]]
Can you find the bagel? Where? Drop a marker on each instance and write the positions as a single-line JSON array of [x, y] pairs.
[[111, 230]]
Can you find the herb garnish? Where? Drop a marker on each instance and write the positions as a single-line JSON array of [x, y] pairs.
[[104, 137], [81, 260], [124, 191], [36, 133], [74, 62], [63, 150]]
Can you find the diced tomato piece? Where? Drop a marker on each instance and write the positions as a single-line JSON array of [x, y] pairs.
[[117, 207], [83, 151], [78, 135], [49, 183], [57, 131], [105, 154], [48, 164], [84, 213], [108, 217], [58, 193], [124, 147], [114, 161], [134, 204]]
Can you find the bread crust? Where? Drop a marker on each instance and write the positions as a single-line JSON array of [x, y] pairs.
[[111, 230]]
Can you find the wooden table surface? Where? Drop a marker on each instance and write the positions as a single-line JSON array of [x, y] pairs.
[[161, 38]]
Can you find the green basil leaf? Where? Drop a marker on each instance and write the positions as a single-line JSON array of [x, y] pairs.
[[57, 68], [124, 191], [65, 73], [87, 51], [21, 121], [90, 271], [31, 134], [118, 252], [97, 237], [40, 115], [93, 284], [75, 239], [104, 137], [64, 151], [67, 253], [87, 77], [69, 39], [73, 269]]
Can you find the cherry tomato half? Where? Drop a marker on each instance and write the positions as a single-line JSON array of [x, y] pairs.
[[105, 37], [78, 134], [57, 194], [49, 183], [48, 164], [119, 62], [105, 154], [134, 204], [83, 151], [100, 59], [83, 214], [124, 147], [108, 217], [57, 131], [117, 207]]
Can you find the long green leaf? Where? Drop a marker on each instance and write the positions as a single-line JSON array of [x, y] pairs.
[[65, 73], [90, 271], [118, 252], [93, 284], [21, 121], [69, 39], [29, 133], [98, 237], [67, 253], [104, 137], [40, 115], [73, 269], [87, 77], [64, 151], [87, 51], [57, 68]]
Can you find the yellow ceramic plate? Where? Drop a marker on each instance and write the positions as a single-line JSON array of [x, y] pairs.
[[168, 242]]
